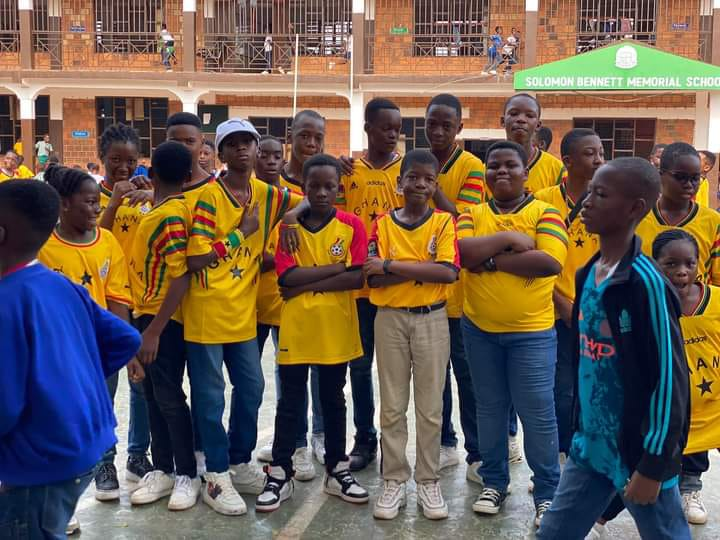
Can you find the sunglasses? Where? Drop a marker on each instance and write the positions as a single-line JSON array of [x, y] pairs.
[[684, 178]]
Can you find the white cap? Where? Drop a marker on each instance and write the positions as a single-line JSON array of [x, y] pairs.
[[234, 125]]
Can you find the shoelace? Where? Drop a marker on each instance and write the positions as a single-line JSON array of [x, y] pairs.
[[106, 472], [695, 498], [184, 484], [432, 490], [389, 494], [151, 478], [543, 507], [492, 495], [345, 478]]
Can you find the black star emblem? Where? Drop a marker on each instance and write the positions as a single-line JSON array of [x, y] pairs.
[[228, 245], [373, 216], [418, 283], [125, 227], [704, 387], [86, 279], [579, 242], [58, 270], [236, 272]]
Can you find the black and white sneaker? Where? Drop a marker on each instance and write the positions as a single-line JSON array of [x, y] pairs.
[[138, 465], [278, 488], [489, 501], [107, 487], [341, 483], [540, 509]]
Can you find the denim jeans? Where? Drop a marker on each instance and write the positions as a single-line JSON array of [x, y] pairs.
[[512, 421], [40, 511], [582, 496], [564, 385], [361, 376], [693, 466], [207, 390], [139, 425], [517, 368]]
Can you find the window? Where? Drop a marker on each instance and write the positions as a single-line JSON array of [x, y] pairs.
[[323, 25], [9, 26], [9, 123], [42, 117], [277, 127], [147, 115], [450, 27], [622, 137], [600, 22], [412, 135], [128, 26]]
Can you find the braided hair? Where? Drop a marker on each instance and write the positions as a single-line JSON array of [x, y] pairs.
[[118, 133], [66, 180]]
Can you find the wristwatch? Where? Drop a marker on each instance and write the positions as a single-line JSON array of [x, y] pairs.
[[386, 266], [490, 265]]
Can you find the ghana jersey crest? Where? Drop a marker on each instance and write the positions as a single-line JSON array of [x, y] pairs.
[[127, 217], [158, 255], [431, 239], [220, 306], [703, 223], [581, 244], [192, 193], [503, 302], [701, 333], [702, 197], [544, 170], [99, 266], [335, 335]]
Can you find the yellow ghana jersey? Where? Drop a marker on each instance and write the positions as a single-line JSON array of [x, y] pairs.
[[127, 218], [703, 223], [431, 239], [581, 244], [99, 266], [333, 335], [544, 170], [158, 255], [503, 302], [292, 184], [702, 197], [220, 306], [269, 302], [192, 193], [701, 333]]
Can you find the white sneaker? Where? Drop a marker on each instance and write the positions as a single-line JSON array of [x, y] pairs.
[[200, 460], [303, 465], [248, 478], [278, 488], [540, 510], [152, 487], [597, 532], [489, 502], [473, 473], [266, 72], [493, 72], [185, 493], [448, 457], [220, 494], [515, 454], [695, 510], [430, 498], [393, 497], [73, 526], [265, 453], [342, 483], [318, 448]]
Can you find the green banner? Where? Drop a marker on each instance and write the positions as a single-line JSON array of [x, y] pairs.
[[627, 65]]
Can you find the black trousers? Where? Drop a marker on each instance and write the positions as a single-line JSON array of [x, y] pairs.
[[171, 426], [293, 383]]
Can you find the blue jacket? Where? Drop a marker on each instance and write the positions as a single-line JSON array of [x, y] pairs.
[[57, 348]]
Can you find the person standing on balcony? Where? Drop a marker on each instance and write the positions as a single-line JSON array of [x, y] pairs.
[[496, 41], [268, 48], [166, 44]]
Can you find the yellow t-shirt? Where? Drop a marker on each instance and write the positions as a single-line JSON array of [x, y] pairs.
[[269, 302], [544, 171], [581, 244], [24, 173], [503, 302], [127, 218], [335, 334], [702, 197], [290, 183], [701, 332], [99, 266], [703, 223], [432, 239], [158, 255], [221, 304], [369, 193], [192, 193]]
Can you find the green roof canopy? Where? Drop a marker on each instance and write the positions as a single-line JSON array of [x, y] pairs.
[[626, 65]]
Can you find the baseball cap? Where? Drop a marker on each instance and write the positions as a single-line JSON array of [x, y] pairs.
[[234, 125]]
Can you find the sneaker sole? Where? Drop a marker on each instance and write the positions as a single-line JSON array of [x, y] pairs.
[[72, 530], [154, 498], [107, 496], [211, 503], [696, 521], [346, 498], [180, 507], [489, 510], [435, 513]]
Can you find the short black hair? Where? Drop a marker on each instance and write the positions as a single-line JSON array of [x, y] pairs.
[[66, 180], [710, 157], [307, 112], [508, 145], [208, 142], [656, 147], [91, 165], [672, 235], [448, 100], [37, 204], [423, 157], [375, 105], [171, 163], [118, 133], [675, 151], [321, 160], [525, 95], [571, 138], [184, 119], [545, 135], [643, 180], [270, 138]]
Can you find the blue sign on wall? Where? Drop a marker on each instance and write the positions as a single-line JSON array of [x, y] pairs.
[[80, 134]]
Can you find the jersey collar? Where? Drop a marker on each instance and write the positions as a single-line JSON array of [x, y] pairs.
[[694, 209], [491, 203], [451, 160], [393, 161]]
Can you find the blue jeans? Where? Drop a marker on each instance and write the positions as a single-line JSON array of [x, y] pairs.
[[361, 376], [40, 511], [517, 368], [564, 385], [139, 428], [207, 390], [583, 495]]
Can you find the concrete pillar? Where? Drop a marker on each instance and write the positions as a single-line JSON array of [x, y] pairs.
[[713, 129], [358, 37], [56, 123], [357, 123], [530, 38], [27, 129], [190, 106], [189, 35], [25, 13]]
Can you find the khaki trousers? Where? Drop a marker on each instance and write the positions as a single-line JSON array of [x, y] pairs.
[[411, 347]]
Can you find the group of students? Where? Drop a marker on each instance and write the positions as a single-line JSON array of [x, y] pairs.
[[522, 273]]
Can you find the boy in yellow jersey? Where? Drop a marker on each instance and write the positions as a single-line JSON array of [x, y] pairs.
[[307, 139], [680, 175], [707, 162], [90, 256], [513, 246], [521, 119], [232, 220], [318, 280], [159, 281], [582, 153], [412, 258], [461, 185], [368, 190]]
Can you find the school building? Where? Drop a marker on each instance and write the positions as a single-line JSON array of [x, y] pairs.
[[71, 67]]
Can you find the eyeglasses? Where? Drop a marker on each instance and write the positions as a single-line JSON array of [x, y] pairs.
[[684, 177]]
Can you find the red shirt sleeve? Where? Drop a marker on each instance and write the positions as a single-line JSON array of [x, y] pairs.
[[284, 261], [359, 245]]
